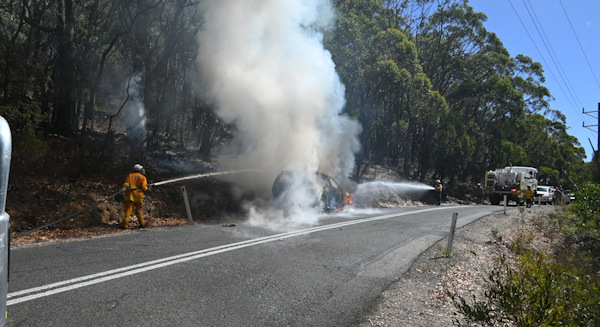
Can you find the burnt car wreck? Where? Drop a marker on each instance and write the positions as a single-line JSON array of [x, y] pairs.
[[306, 191]]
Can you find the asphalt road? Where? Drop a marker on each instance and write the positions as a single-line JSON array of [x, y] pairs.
[[211, 275]]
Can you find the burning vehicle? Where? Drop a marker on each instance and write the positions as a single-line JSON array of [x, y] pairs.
[[304, 191]]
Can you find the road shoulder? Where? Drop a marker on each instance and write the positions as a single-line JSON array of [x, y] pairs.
[[419, 297]]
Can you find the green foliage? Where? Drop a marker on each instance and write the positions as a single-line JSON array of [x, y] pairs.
[[24, 120], [537, 292], [587, 210], [547, 175], [29, 142], [521, 243], [444, 251], [514, 152], [495, 232]]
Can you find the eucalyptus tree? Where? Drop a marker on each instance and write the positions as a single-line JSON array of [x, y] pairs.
[[163, 49], [404, 62], [489, 94], [467, 65], [27, 60], [65, 119], [350, 44], [408, 107], [102, 31], [549, 147]]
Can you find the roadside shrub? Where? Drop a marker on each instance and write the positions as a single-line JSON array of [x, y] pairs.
[[586, 209], [539, 290], [535, 292], [29, 141], [571, 246], [521, 243], [552, 223]]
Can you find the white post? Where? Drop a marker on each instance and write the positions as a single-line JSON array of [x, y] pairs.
[[505, 202], [452, 229], [187, 204]]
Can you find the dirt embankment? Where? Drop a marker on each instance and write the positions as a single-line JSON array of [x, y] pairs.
[[70, 180]]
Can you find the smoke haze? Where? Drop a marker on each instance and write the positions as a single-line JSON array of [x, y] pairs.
[[266, 71]]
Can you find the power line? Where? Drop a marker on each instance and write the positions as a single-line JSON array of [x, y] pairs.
[[552, 53], [541, 54], [579, 43]]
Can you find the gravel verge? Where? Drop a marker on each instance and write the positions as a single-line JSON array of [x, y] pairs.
[[419, 297]]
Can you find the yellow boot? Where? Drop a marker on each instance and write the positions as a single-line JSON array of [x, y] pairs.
[[142, 222], [125, 223]]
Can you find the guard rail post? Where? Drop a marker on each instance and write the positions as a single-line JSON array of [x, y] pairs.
[[5, 153], [187, 204], [452, 231]]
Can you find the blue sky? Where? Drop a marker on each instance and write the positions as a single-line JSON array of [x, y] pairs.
[[566, 41]]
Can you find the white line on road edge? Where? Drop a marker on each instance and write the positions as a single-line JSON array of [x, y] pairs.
[[75, 283]]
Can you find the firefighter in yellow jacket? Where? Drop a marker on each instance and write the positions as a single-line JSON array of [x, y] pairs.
[[438, 189], [529, 193], [134, 188]]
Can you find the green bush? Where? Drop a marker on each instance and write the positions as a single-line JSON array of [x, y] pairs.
[[29, 142], [537, 292], [544, 291], [586, 209]]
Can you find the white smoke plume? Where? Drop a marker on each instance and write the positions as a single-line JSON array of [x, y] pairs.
[[135, 112], [267, 72]]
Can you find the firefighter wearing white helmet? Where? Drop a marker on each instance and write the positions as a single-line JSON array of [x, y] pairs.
[[438, 189], [134, 187], [138, 167]]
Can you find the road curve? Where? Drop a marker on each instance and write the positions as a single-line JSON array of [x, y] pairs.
[[211, 275]]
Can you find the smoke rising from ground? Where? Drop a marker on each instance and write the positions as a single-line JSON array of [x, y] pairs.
[[135, 112], [266, 71]]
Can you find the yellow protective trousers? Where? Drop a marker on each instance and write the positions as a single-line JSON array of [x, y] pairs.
[[128, 208]]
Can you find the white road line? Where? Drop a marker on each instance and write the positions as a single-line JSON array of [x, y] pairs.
[[75, 283]]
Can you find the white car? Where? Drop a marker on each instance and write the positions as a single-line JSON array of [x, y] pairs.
[[568, 196], [544, 194]]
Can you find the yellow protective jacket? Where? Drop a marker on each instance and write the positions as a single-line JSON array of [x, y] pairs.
[[138, 182], [528, 193]]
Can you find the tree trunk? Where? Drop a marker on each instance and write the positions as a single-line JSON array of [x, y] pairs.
[[65, 120]]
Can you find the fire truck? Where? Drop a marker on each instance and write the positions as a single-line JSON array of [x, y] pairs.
[[510, 181]]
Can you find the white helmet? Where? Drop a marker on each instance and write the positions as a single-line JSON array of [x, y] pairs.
[[138, 167]]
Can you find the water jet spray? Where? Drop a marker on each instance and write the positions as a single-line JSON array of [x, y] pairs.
[[378, 193], [204, 175]]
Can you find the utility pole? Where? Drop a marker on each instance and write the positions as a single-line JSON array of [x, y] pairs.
[[596, 152]]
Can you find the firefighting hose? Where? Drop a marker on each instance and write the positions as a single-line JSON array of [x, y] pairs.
[[112, 196]]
